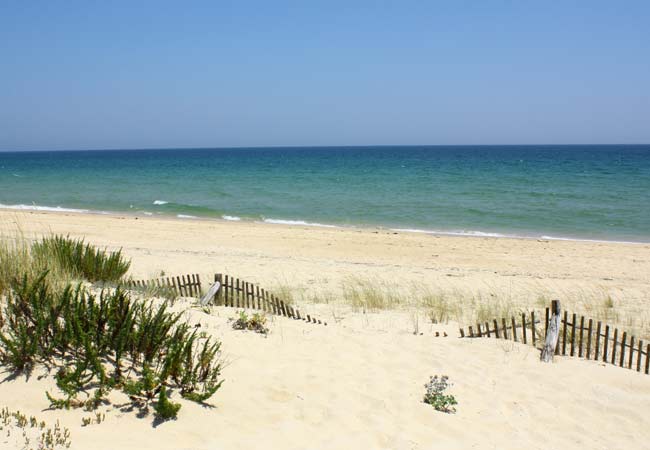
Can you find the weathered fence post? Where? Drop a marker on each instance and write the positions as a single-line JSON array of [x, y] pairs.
[[552, 333]]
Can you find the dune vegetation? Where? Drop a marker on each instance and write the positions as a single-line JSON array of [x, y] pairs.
[[63, 308]]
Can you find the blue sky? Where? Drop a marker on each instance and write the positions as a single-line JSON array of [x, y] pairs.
[[90, 75]]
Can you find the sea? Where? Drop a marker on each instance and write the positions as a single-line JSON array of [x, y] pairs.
[[587, 192]]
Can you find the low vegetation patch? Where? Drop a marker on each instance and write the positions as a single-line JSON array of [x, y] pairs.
[[82, 260], [64, 258], [256, 323], [29, 433], [99, 342], [436, 397]]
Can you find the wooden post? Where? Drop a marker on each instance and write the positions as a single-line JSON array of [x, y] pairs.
[[589, 331], [566, 322], [614, 346], [629, 364], [552, 334], [478, 326], [514, 329], [639, 354], [532, 325], [487, 329], [179, 287], [622, 361], [523, 328], [573, 333], [505, 328], [471, 331], [462, 333], [582, 327], [496, 329], [647, 359], [606, 346]]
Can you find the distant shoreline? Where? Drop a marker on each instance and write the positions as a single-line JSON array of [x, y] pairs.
[[301, 223]]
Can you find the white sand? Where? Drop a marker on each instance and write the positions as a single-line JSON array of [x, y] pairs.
[[358, 383]]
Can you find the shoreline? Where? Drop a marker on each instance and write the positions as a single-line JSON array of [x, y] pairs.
[[302, 223]]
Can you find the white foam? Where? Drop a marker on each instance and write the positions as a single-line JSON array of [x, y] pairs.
[[184, 216], [44, 208], [454, 233], [298, 222], [557, 238], [160, 202], [147, 213], [232, 218]]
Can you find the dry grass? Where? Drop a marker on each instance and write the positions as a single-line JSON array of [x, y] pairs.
[[367, 295], [18, 259]]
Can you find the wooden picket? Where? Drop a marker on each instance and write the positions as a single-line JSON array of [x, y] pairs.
[[578, 338], [236, 293], [183, 286]]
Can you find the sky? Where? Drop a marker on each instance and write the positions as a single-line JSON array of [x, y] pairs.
[[99, 75]]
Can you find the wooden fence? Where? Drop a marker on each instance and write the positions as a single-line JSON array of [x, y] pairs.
[[579, 337], [238, 293], [183, 285], [234, 292]]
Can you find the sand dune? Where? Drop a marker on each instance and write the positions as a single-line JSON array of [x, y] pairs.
[[358, 382]]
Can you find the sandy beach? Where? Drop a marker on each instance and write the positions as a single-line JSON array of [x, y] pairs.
[[358, 383]]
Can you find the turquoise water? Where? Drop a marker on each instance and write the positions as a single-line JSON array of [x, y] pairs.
[[585, 192]]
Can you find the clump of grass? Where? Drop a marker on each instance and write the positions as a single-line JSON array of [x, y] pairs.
[[165, 408], [97, 343], [82, 260], [370, 295], [32, 429], [256, 323], [436, 397]]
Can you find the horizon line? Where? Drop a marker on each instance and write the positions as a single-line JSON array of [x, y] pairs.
[[243, 147]]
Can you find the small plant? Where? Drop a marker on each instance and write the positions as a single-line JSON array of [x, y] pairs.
[[15, 425], [436, 397], [256, 323], [165, 408]]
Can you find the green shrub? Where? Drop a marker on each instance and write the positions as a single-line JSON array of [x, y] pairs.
[[82, 260], [165, 409], [436, 397], [94, 340]]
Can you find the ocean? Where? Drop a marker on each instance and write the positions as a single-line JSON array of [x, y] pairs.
[[555, 192]]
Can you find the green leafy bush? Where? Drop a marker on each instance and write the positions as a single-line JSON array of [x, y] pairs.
[[82, 260], [436, 397], [103, 342], [256, 323], [165, 409]]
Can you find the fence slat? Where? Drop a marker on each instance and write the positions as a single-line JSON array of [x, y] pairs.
[[471, 331], [647, 359], [523, 328], [546, 323], [614, 346], [589, 331], [179, 286], [573, 333], [496, 329], [514, 328], [622, 361], [639, 354], [580, 341], [532, 325], [564, 334], [629, 365], [606, 343]]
